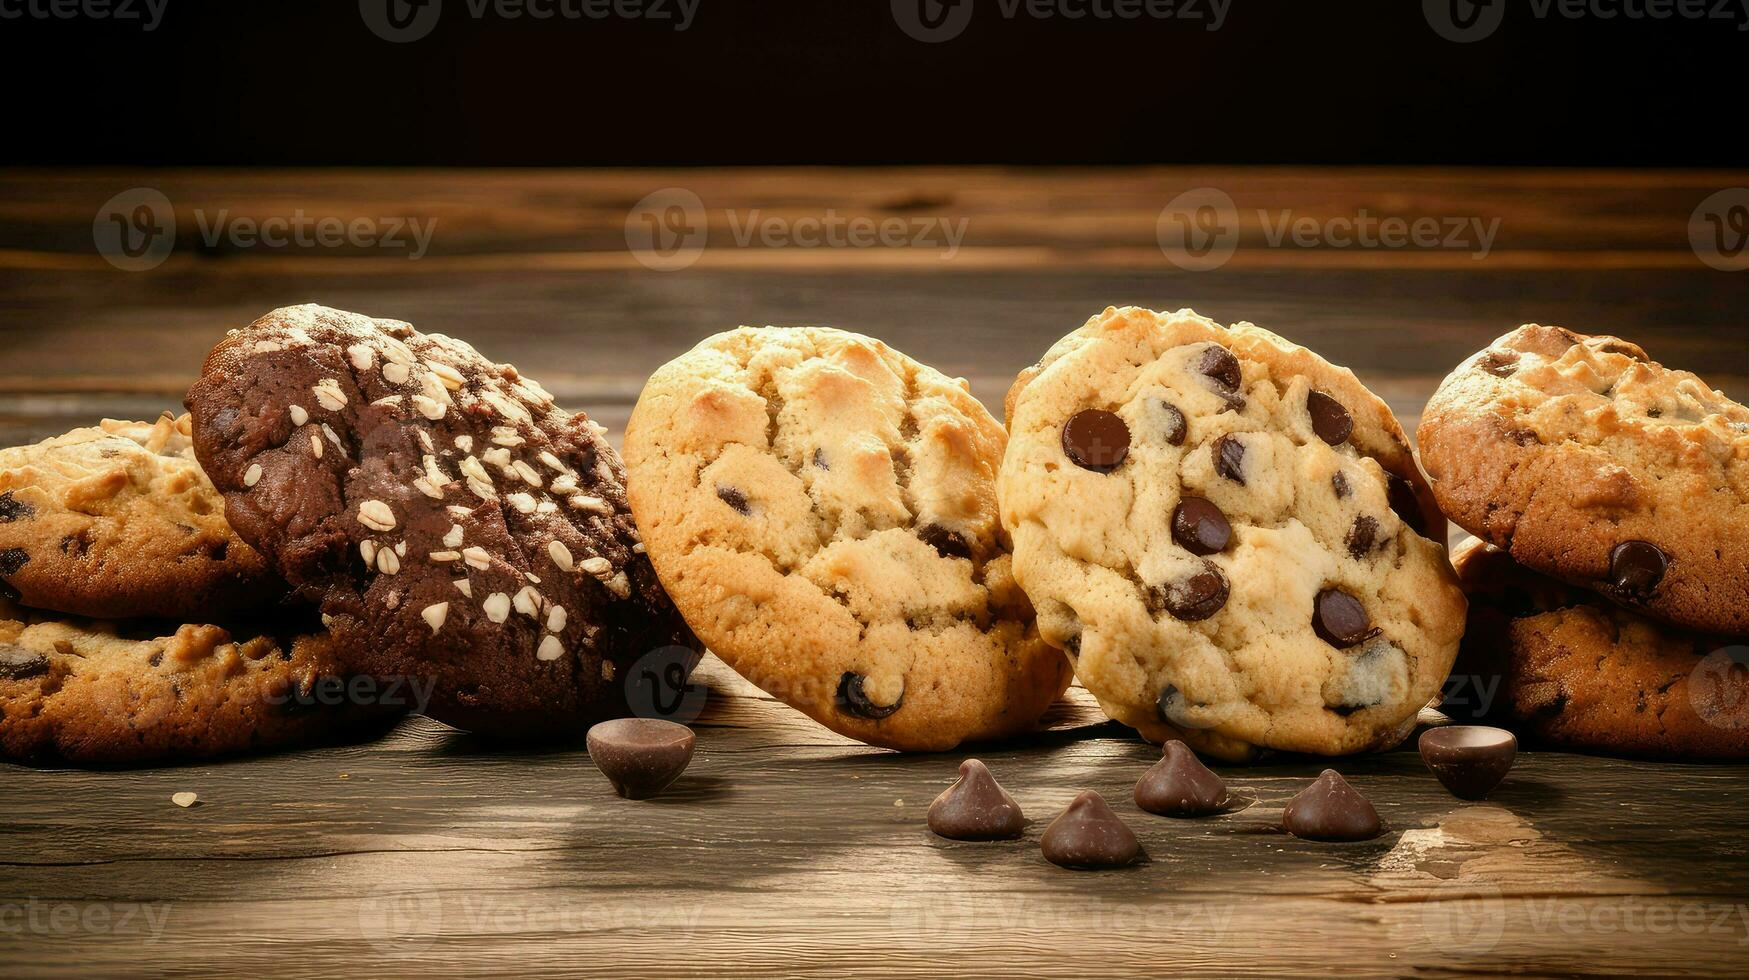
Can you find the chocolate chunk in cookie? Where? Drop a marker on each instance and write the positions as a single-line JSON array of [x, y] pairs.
[[454, 523], [1199, 527], [1096, 440]]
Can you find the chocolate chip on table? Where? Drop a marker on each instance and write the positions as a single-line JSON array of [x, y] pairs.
[[976, 807], [1330, 420], [640, 756], [1088, 836], [1400, 494], [1199, 526], [13, 559], [17, 663], [1469, 760], [12, 509], [1179, 785], [948, 544], [1331, 810], [1339, 484], [736, 499], [1340, 620], [1230, 459], [1096, 440], [1635, 567], [1194, 599], [1362, 536], [853, 701], [1499, 363], [1175, 428]]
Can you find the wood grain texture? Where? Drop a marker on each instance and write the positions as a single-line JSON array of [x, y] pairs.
[[786, 850]]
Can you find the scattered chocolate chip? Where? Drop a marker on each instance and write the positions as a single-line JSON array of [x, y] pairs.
[[640, 756], [1179, 785], [1200, 527], [819, 460], [1340, 620], [852, 700], [1469, 760], [13, 559], [1096, 440], [1400, 494], [1499, 363], [976, 808], [1339, 483], [1362, 536], [1089, 836], [1635, 567], [12, 509], [948, 544], [1174, 428], [1330, 420], [1194, 599], [1331, 810], [1230, 459], [1219, 365], [734, 498], [17, 663]]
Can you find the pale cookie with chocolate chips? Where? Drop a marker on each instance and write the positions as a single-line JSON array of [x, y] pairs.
[[822, 509], [1588, 461], [118, 520], [1568, 669], [105, 693], [1230, 537], [454, 523]]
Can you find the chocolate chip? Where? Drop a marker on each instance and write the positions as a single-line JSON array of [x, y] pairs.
[[9, 593], [1179, 785], [819, 460], [1469, 760], [12, 510], [1200, 527], [1499, 363], [1362, 536], [1339, 483], [1170, 707], [1096, 440], [17, 663], [734, 498], [1635, 567], [852, 700], [1400, 494], [13, 559], [1331, 810], [1654, 412], [976, 807], [1220, 366], [1194, 599], [1089, 836], [1230, 459], [948, 544], [1330, 420], [640, 756], [1173, 428], [1523, 437], [1340, 620]]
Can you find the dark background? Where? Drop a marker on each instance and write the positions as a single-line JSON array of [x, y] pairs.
[[838, 82]]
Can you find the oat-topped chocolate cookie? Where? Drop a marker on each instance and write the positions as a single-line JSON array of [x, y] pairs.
[[452, 521]]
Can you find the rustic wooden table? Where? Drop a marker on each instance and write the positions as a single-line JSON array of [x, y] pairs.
[[786, 850]]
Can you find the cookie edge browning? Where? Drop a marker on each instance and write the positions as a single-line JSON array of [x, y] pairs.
[[1476, 466], [746, 646]]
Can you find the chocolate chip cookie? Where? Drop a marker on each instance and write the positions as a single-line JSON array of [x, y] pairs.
[[106, 693], [823, 510], [453, 523], [118, 520], [1230, 537], [1588, 461], [1563, 666]]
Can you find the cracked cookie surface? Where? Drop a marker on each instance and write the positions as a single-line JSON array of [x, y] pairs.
[[104, 693], [1590, 462], [822, 509], [118, 520], [453, 522], [1240, 553], [1567, 668]]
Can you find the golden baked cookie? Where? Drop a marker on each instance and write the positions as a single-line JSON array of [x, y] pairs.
[[822, 509], [1230, 537]]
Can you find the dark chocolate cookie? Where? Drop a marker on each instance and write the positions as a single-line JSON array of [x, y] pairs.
[[452, 521]]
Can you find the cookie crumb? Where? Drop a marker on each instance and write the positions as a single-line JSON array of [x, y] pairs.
[[185, 799]]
